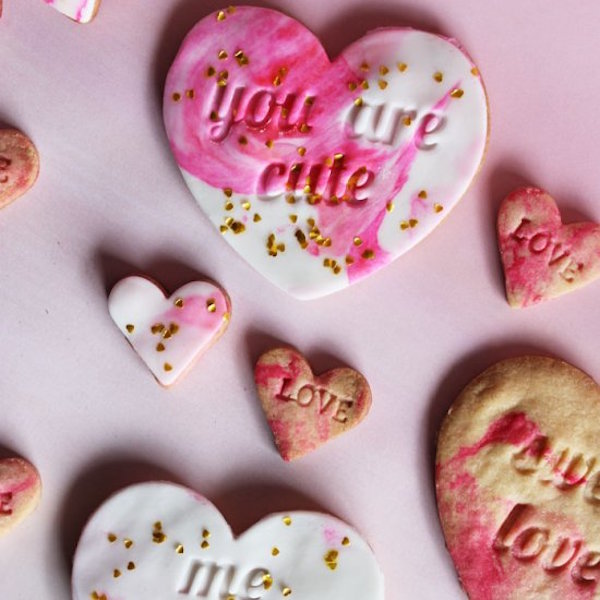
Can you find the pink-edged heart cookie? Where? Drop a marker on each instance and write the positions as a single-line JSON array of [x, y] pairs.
[[542, 258], [319, 173], [304, 410], [518, 482], [161, 541], [169, 333], [19, 165], [20, 491], [81, 11]]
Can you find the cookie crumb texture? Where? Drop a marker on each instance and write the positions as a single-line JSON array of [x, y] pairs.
[[159, 540], [518, 482], [19, 165]]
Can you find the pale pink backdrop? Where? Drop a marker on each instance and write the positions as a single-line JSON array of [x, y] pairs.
[[75, 399]]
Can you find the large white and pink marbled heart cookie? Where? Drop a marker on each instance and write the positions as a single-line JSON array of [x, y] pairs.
[[81, 11], [169, 333], [319, 173], [163, 541]]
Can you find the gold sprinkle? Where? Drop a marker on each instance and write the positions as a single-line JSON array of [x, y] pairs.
[[127, 543], [223, 229], [130, 328], [173, 328], [389, 206], [346, 541], [382, 84], [214, 116], [277, 80], [205, 534], [301, 150], [301, 238], [438, 208], [402, 66], [228, 205], [331, 556], [290, 199], [229, 221], [475, 71], [228, 192], [230, 597], [423, 194], [160, 347], [256, 218], [457, 93], [226, 317], [286, 591], [190, 94], [439, 77], [130, 566], [413, 222], [281, 247], [179, 549], [304, 128], [211, 305], [269, 144], [407, 121], [222, 81], [237, 227], [357, 241], [243, 140], [166, 334], [178, 302], [287, 521], [111, 537], [246, 205], [337, 270], [222, 55], [267, 581], [158, 525], [365, 85], [364, 67], [210, 71], [349, 260], [221, 16], [358, 101], [116, 573], [275, 551], [241, 58], [157, 328], [368, 254], [176, 97], [404, 225], [167, 367], [231, 9], [204, 545], [332, 566], [327, 262], [352, 85], [383, 70], [293, 218], [310, 100]]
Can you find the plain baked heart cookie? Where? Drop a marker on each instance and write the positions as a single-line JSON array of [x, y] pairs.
[[20, 491], [303, 410], [163, 541], [82, 11], [169, 333], [319, 173], [19, 165], [518, 482], [542, 258]]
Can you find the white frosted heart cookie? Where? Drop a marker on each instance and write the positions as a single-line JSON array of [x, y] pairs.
[[319, 173], [163, 541], [518, 482], [20, 491], [169, 334]]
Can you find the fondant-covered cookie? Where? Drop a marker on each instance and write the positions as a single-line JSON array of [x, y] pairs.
[[319, 173], [518, 482], [163, 541], [20, 491], [169, 333], [543, 258], [303, 410], [19, 165], [82, 11]]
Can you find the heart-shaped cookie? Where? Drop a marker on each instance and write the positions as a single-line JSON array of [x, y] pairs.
[[82, 11], [320, 173], [19, 165], [163, 541], [20, 491], [518, 482], [303, 410], [169, 333]]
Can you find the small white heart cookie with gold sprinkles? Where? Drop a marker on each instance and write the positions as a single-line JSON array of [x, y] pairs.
[[169, 333], [160, 540]]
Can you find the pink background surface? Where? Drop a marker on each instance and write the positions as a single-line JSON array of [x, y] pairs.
[[76, 401]]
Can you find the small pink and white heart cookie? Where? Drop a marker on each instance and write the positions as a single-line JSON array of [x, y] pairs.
[[19, 165], [303, 410], [20, 491], [169, 333], [543, 258], [82, 11]]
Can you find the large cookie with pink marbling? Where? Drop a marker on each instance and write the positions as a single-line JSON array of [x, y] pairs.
[[319, 173]]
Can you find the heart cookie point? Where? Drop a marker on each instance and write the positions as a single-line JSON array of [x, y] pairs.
[[319, 173], [20, 491], [159, 540], [541, 257], [80, 11], [19, 165], [305, 411], [517, 479], [169, 333]]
